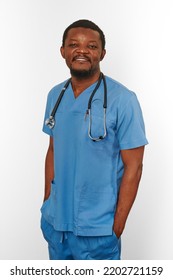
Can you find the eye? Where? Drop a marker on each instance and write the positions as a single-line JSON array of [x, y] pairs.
[[92, 47], [73, 45]]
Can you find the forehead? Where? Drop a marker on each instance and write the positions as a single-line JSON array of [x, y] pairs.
[[79, 33]]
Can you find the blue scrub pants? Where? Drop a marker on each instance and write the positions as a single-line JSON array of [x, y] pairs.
[[67, 246]]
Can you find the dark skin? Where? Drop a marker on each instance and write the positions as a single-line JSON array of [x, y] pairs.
[[83, 52], [132, 160], [49, 169]]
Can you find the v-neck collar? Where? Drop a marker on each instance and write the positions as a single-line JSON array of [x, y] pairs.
[[87, 91]]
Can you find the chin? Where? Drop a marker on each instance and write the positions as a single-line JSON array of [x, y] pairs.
[[81, 73]]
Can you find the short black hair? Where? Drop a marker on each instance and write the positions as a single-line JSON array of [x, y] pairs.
[[85, 24]]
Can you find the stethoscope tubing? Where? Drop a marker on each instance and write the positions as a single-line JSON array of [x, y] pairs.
[[50, 122]]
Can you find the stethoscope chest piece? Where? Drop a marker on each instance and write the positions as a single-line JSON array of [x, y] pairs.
[[50, 122]]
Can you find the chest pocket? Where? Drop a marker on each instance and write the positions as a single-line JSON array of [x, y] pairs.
[[96, 120], [106, 145]]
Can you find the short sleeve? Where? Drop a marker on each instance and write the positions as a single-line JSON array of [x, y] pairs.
[[48, 111], [131, 128]]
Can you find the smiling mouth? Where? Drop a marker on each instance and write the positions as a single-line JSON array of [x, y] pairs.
[[81, 59]]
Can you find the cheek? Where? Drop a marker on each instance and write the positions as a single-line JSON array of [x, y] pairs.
[[68, 62], [67, 58], [97, 58]]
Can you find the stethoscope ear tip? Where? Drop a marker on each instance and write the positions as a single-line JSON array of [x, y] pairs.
[[97, 139]]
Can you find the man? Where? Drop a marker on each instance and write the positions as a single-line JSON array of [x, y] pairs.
[[94, 160]]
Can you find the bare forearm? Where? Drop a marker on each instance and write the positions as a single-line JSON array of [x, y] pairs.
[[127, 194], [49, 171], [132, 160]]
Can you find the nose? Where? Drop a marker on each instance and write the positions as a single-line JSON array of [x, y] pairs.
[[82, 49]]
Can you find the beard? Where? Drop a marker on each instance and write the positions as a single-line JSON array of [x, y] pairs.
[[82, 74]]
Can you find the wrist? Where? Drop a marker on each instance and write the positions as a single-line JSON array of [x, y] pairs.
[[118, 230], [118, 226]]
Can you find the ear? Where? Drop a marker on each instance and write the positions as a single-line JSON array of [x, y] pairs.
[[62, 52], [102, 54]]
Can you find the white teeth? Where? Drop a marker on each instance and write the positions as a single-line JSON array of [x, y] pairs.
[[81, 59]]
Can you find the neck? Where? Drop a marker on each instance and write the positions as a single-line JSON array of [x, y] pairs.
[[79, 85]]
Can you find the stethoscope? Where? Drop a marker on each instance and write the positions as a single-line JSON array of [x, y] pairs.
[[50, 122]]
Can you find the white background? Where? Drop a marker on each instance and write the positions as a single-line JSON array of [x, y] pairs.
[[139, 55]]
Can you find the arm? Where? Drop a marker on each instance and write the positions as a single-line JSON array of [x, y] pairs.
[[49, 169], [132, 160]]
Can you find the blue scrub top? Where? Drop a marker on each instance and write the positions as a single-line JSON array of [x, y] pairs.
[[88, 174]]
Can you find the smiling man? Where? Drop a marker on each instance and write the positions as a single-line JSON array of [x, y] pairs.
[[94, 160], [83, 52]]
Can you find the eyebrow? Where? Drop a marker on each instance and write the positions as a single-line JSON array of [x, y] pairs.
[[91, 41]]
